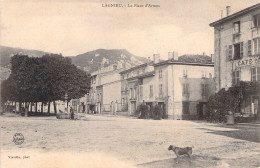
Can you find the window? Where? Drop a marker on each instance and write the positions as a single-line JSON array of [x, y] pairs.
[[238, 51], [94, 80], [135, 91], [236, 77], [256, 45], [185, 74], [160, 90], [249, 49], [131, 93], [160, 73], [204, 89], [236, 27], [141, 92], [123, 77], [255, 74], [185, 88], [256, 21], [151, 91], [123, 101]]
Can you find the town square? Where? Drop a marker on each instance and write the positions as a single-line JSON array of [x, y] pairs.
[[133, 83]]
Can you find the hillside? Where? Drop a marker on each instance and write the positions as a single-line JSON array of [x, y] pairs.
[[94, 59], [7, 52]]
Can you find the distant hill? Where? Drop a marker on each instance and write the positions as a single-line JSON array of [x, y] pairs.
[[7, 52], [94, 59], [195, 58]]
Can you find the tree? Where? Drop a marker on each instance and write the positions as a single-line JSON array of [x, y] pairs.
[[44, 79]]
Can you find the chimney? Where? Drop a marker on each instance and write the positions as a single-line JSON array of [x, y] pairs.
[[170, 55], [149, 59], [228, 10], [203, 53], [221, 14], [156, 58], [212, 57], [175, 55]]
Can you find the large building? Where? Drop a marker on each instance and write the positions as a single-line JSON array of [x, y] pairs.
[[105, 89], [181, 89], [237, 52]]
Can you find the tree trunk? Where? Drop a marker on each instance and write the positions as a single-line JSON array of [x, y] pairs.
[[36, 107], [26, 110], [15, 107], [49, 105], [20, 107], [55, 110], [31, 107], [42, 108], [12, 107]]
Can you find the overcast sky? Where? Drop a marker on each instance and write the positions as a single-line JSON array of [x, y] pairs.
[[72, 27]]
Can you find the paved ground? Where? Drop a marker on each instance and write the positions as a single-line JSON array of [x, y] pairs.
[[105, 141]]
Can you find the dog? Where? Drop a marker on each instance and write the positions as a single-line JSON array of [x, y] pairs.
[[181, 151]]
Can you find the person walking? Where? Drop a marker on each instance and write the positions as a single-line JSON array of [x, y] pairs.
[[71, 113]]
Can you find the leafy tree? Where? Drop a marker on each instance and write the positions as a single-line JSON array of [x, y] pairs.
[[44, 79], [230, 100]]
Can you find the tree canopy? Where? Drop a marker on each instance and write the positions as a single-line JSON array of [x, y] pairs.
[[43, 79]]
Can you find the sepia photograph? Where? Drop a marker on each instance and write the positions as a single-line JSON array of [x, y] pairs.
[[130, 84]]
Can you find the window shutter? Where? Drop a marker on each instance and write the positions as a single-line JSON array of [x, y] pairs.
[[241, 49], [230, 52], [249, 50]]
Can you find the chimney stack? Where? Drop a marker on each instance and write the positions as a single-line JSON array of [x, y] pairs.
[[228, 10], [170, 55], [212, 57], [221, 14], [175, 55], [156, 58]]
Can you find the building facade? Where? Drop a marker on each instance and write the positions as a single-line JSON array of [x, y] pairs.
[[237, 52], [180, 89]]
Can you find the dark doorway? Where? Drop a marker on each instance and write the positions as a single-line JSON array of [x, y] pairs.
[[201, 110]]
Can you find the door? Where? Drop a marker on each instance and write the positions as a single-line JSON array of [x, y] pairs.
[[133, 108]]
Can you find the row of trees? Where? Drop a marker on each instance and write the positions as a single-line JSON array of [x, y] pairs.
[[43, 79]]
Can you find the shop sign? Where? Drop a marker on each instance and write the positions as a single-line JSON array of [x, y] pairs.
[[249, 61]]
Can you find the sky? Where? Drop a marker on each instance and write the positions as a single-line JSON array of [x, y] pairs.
[[73, 27]]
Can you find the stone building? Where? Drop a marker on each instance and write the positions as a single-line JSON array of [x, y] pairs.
[[181, 89], [237, 52]]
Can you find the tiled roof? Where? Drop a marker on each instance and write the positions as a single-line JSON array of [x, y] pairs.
[[237, 14]]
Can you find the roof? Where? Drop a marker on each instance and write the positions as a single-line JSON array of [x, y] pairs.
[[176, 62], [135, 67], [147, 74], [237, 14]]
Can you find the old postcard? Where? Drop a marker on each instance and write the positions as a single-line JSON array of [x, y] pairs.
[[129, 83]]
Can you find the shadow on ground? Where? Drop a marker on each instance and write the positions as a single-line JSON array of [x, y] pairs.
[[184, 162], [243, 132]]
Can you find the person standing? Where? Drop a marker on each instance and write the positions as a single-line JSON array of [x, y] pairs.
[[71, 113]]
